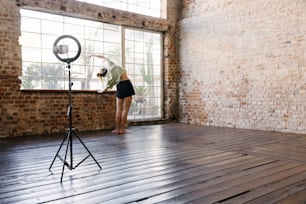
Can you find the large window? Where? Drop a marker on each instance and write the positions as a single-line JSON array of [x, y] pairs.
[[146, 7], [143, 61], [42, 70], [139, 51]]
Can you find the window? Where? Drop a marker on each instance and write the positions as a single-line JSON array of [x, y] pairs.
[[139, 51], [145, 7], [143, 62], [42, 70]]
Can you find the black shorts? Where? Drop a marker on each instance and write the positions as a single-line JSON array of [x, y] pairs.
[[125, 89]]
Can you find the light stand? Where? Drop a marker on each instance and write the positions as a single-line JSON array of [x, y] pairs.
[[58, 50]]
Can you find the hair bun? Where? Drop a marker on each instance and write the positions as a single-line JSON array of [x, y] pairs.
[[102, 72]]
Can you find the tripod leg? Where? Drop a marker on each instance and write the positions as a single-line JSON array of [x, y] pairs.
[[59, 149], [87, 149], [67, 146]]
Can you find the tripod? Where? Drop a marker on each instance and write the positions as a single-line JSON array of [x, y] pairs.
[[69, 136]]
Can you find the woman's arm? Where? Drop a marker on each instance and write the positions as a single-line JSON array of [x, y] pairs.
[[110, 63], [100, 56]]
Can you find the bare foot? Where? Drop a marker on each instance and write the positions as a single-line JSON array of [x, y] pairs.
[[115, 131], [122, 132]]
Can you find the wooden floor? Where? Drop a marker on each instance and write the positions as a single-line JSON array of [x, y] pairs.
[[172, 163]]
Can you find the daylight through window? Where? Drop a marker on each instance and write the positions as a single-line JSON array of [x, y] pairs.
[[139, 51]]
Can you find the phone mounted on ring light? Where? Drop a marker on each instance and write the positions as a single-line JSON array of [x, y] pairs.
[[64, 49]]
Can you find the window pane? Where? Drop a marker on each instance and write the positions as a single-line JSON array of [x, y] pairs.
[[139, 59], [52, 83], [52, 27], [53, 70], [112, 48], [31, 69], [30, 21], [30, 40], [112, 36], [139, 47], [79, 22], [157, 81], [129, 46], [78, 71], [138, 69], [94, 46], [47, 57], [139, 36], [30, 82], [75, 30], [111, 27], [47, 40], [156, 61], [31, 54], [94, 33], [129, 34]]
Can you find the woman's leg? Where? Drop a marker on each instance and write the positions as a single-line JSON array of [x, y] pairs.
[[119, 107], [126, 106]]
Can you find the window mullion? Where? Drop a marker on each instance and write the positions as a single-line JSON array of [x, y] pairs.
[[123, 46]]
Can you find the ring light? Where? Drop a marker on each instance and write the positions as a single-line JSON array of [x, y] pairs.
[[66, 45]]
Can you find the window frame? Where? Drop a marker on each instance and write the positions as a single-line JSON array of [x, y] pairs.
[[135, 7], [122, 30], [161, 105]]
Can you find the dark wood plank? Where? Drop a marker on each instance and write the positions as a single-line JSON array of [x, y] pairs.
[[292, 182], [170, 163], [198, 190], [299, 197], [284, 151], [282, 193], [232, 190]]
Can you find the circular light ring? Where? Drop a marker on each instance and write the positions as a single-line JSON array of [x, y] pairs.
[[67, 60]]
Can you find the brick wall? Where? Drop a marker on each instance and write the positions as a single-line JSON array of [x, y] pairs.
[[243, 64], [170, 62], [28, 113]]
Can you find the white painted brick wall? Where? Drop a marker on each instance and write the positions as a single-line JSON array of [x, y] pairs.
[[243, 64]]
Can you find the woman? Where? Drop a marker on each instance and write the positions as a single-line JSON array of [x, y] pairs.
[[117, 75]]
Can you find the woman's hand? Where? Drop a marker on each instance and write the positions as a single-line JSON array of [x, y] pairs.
[[101, 90]]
